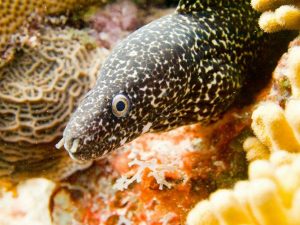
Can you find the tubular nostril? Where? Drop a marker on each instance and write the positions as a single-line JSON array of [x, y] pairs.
[[60, 143]]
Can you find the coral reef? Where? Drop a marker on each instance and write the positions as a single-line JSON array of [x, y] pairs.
[[41, 87], [278, 14], [280, 130], [39, 90], [158, 171], [56, 6], [16, 17], [157, 178], [271, 196], [114, 22]]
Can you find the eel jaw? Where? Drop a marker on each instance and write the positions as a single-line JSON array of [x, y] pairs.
[[71, 145]]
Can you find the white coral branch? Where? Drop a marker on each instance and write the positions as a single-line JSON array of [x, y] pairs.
[[157, 171]]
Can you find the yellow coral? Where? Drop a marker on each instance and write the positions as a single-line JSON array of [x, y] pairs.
[[275, 127], [265, 5], [272, 127], [270, 196], [255, 149], [15, 15], [278, 14], [40, 88], [293, 69]]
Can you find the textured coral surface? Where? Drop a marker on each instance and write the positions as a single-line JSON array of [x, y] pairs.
[[19, 161], [40, 88]]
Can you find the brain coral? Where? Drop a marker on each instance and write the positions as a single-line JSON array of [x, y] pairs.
[[16, 15], [270, 196], [278, 14], [40, 88]]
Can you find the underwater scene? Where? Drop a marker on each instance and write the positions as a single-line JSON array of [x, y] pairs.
[[140, 112]]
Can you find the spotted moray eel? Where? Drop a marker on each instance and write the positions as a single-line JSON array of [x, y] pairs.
[[184, 68]]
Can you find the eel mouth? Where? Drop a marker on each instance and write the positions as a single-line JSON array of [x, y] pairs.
[[70, 144]]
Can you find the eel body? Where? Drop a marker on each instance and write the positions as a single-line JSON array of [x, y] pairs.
[[184, 68]]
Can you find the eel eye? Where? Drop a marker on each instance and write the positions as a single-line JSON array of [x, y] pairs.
[[120, 105]]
